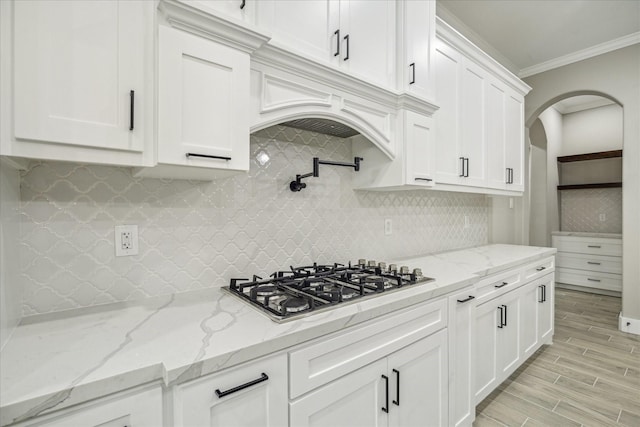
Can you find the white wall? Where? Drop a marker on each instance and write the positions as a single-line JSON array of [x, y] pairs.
[[538, 231], [552, 121], [10, 288], [616, 74], [593, 130]]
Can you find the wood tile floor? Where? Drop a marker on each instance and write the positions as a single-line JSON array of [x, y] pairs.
[[589, 376]]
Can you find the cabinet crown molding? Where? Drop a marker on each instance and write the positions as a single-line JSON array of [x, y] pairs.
[[449, 34], [229, 31]]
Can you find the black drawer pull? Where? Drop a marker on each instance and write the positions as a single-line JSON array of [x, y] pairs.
[[243, 4], [385, 408], [462, 160], [397, 401], [541, 268], [594, 246], [593, 280], [222, 394], [503, 284], [423, 179], [413, 73], [346, 57], [593, 263], [131, 109], [337, 34], [206, 156], [466, 299]]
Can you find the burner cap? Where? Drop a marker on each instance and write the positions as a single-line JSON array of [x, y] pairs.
[[294, 305], [348, 293]]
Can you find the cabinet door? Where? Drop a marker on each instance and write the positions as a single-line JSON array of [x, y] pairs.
[[472, 119], [447, 89], [79, 72], [497, 175], [239, 9], [418, 383], [508, 343], [419, 35], [419, 149], [530, 294], [368, 39], [462, 315], [264, 403], [354, 400], [133, 408], [486, 360], [203, 96], [514, 140], [306, 27], [546, 293]]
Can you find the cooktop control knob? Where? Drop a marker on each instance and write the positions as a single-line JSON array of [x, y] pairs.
[[393, 268], [382, 265], [371, 263], [417, 272], [404, 270]]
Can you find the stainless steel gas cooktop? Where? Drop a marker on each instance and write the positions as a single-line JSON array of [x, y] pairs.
[[300, 291]]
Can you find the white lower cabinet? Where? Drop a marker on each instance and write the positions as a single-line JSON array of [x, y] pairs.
[[253, 394], [407, 388], [134, 408]]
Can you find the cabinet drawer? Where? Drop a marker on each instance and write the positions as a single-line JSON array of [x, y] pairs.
[[594, 246], [596, 263], [538, 269], [329, 358], [570, 276], [498, 284]]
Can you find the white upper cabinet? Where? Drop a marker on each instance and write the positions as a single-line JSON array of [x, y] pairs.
[[473, 120], [419, 149], [418, 31], [514, 141], [497, 172], [203, 95], [238, 9], [81, 78], [357, 36]]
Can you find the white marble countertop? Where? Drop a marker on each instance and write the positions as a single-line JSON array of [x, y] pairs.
[[587, 234], [63, 361]]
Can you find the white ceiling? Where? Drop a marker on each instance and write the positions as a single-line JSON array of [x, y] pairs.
[[525, 35]]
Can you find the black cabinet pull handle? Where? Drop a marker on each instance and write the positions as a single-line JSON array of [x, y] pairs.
[[423, 179], [501, 325], [413, 73], [544, 293], [467, 172], [505, 314], [346, 38], [206, 156], [462, 173], [466, 299], [385, 408], [222, 394], [541, 268], [594, 246], [397, 401], [593, 280], [501, 285], [244, 2], [337, 34], [593, 263], [511, 169], [541, 287], [131, 109]]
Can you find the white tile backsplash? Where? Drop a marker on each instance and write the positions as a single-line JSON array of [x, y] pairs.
[[199, 234], [580, 210]]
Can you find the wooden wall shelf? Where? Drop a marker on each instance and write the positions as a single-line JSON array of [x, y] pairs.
[[591, 156], [596, 185]]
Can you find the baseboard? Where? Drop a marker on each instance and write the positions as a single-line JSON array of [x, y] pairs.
[[627, 324]]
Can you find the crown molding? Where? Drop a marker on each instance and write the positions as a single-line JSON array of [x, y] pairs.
[[581, 55]]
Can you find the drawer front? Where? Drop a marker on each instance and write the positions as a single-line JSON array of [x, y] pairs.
[[538, 269], [596, 263], [496, 285], [611, 247], [570, 276], [330, 358]]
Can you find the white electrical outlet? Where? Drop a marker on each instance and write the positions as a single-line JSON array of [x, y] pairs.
[[387, 227], [603, 217], [126, 240]]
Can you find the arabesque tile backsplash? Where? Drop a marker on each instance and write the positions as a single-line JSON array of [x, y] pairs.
[[580, 210], [195, 234]]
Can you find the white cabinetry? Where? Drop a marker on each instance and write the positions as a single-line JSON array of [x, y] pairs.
[[243, 10], [355, 35], [416, 24], [512, 322], [462, 317], [137, 407], [82, 80], [253, 394], [590, 262], [203, 95]]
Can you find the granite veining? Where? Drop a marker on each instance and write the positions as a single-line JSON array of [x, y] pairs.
[[54, 364]]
